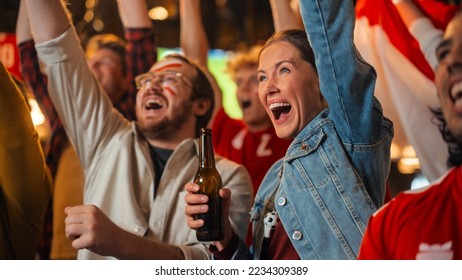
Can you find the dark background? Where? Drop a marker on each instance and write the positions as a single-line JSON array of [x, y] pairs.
[[229, 24]]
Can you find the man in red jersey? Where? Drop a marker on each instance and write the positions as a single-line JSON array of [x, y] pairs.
[[427, 223]]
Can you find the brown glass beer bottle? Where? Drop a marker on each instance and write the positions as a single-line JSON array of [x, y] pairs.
[[209, 181]]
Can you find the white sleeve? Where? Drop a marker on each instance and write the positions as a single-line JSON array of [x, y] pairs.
[[428, 37]]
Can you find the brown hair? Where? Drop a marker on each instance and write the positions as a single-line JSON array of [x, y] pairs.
[[202, 89], [110, 42], [297, 38], [241, 59]]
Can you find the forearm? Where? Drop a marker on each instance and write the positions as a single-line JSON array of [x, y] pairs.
[[421, 27], [193, 38], [345, 80], [48, 19], [130, 246], [23, 32], [408, 11], [30, 66], [284, 17], [134, 13], [194, 42]]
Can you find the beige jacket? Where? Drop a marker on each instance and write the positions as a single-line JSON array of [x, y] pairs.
[[116, 159]]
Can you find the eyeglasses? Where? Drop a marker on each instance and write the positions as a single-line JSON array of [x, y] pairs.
[[168, 78]]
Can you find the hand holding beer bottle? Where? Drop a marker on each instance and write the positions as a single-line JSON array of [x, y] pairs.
[[210, 183]]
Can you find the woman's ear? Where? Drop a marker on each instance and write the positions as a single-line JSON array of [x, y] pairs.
[[201, 106]]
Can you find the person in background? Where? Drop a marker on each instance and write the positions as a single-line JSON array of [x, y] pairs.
[[316, 201], [135, 171], [427, 223], [428, 37], [25, 184], [114, 63], [405, 84]]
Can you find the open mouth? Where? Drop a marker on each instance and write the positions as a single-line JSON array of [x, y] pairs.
[[280, 109], [153, 105], [246, 104], [456, 92]]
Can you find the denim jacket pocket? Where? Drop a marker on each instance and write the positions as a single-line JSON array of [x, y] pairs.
[[307, 145]]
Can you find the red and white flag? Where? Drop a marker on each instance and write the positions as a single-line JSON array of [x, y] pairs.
[[405, 85]]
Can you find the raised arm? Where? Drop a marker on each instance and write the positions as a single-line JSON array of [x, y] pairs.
[[285, 16], [346, 81], [48, 19], [194, 42], [25, 187], [30, 66], [421, 27], [23, 32], [408, 11], [141, 44], [193, 38], [83, 107], [134, 13]]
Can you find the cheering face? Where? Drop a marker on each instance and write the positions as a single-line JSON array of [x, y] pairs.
[[253, 113], [288, 89], [163, 104], [448, 76], [107, 67]]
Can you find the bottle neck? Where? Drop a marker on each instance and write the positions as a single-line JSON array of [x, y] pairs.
[[206, 156]]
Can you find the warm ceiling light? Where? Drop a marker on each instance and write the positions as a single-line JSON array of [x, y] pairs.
[[37, 117], [395, 151], [408, 165], [89, 15], [90, 4], [98, 25], [158, 13], [408, 152]]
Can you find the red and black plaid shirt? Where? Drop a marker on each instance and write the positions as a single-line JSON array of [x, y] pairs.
[[141, 55]]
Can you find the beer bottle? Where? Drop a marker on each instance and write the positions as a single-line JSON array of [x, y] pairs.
[[209, 181]]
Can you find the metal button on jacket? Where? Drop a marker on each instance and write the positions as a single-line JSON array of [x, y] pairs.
[[282, 201], [297, 235]]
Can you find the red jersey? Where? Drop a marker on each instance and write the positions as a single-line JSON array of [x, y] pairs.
[[419, 224], [279, 246], [256, 151]]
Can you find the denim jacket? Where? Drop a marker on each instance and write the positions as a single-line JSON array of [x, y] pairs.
[[332, 178]]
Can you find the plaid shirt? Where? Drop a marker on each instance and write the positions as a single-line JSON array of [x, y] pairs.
[[141, 55]]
